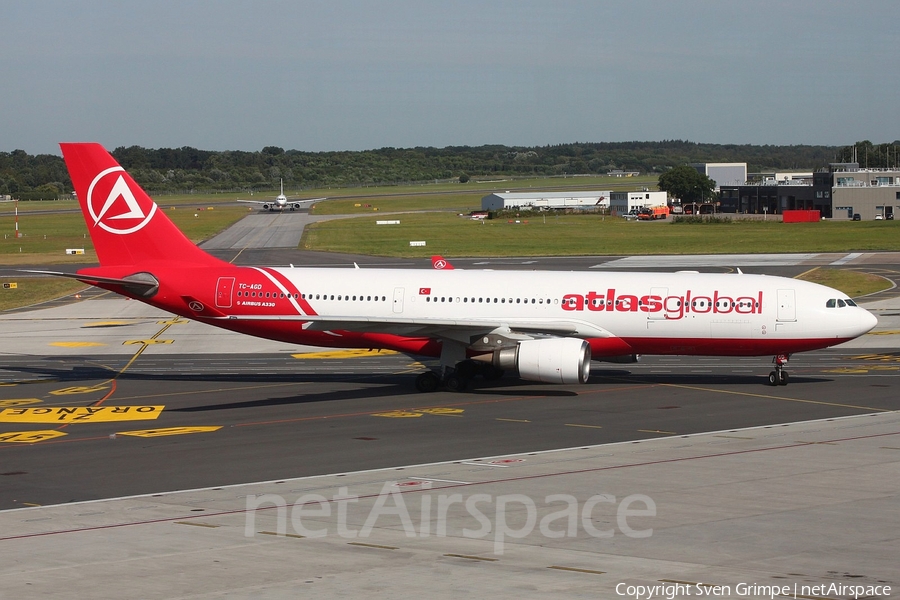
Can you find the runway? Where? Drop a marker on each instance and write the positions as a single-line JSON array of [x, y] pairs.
[[107, 398]]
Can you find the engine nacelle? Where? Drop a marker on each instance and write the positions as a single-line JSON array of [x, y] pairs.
[[265, 207], [556, 360]]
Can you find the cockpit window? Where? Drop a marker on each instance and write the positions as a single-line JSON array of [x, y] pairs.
[[850, 302], [831, 303], [841, 303]]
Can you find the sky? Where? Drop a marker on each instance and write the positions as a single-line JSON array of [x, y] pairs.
[[365, 74]]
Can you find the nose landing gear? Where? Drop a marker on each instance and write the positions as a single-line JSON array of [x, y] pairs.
[[779, 376]]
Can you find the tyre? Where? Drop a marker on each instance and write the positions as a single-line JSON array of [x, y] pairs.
[[427, 382]]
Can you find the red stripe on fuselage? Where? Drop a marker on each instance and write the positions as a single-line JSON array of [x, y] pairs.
[[291, 289]]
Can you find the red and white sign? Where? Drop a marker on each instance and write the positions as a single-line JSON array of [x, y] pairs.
[[424, 291]]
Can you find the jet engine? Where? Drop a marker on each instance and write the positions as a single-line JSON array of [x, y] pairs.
[[555, 360]]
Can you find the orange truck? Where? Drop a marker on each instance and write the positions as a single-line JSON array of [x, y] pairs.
[[651, 213]]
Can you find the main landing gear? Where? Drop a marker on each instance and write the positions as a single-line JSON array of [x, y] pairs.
[[457, 379], [779, 376]]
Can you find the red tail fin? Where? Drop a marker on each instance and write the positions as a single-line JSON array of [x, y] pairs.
[[125, 224], [441, 263]]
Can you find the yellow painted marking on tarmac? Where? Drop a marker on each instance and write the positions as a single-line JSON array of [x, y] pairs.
[[878, 357], [580, 425], [442, 411], [471, 557], [356, 353], [576, 570], [418, 412], [19, 402], [768, 397], [30, 437], [175, 321], [108, 323], [149, 342], [197, 524], [79, 389], [805, 273], [379, 546], [26, 381], [399, 414], [657, 431], [891, 332], [76, 344], [80, 414], [146, 433], [290, 535], [861, 369], [514, 420]]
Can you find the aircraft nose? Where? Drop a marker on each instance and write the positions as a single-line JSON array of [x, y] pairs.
[[867, 321]]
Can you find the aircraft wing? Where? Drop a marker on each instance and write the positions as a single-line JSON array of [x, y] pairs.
[[271, 202], [448, 328]]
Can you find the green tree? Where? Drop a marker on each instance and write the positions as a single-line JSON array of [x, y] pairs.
[[687, 183]]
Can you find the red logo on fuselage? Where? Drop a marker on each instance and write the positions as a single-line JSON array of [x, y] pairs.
[[672, 307], [113, 206]]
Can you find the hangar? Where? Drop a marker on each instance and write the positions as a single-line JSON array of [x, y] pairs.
[[582, 200]]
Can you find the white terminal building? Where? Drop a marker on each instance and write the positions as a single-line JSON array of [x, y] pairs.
[[581, 200], [624, 202]]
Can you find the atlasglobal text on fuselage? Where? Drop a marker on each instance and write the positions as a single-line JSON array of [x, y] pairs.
[[672, 307], [542, 326]]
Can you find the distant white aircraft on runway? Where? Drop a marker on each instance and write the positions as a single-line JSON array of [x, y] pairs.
[[542, 325], [281, 202]]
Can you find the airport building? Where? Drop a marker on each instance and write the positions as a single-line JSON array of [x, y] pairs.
[[723, 173], [621, 203], [841, 192], [580, 200]]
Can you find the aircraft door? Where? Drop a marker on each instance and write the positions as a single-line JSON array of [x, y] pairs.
[[657, 294], [398, 300], [787, 308], [224, 288]]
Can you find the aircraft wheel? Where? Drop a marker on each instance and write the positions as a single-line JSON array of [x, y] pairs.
[[456, 383], [782, 378], [492, 373], [773, 378], [427, 382], [466, 369]]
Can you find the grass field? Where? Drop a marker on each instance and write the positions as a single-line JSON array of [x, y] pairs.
[[31, 290], [852, 283], [46, 237], [568, 235]]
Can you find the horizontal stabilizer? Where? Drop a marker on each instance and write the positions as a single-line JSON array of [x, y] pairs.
[[141, 284]]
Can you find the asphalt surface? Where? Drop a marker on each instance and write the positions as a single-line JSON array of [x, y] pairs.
[[277, 416]]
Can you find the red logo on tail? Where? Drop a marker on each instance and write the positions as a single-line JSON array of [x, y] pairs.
[[113, 205]]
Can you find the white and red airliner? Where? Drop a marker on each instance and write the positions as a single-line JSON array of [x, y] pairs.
[[543, 325], [281, 202]]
